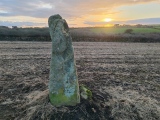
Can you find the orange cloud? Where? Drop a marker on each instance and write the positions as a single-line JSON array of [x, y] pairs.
[[75, 12]]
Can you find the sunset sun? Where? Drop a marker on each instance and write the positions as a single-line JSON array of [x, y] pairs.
[[107, 19]]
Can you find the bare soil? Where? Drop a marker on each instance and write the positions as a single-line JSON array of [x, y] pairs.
[[123, 77]]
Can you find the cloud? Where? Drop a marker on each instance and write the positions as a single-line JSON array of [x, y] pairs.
[[90, 23], [21, 24], [144, 21], [94, 23], [137, 21], [69, 9]]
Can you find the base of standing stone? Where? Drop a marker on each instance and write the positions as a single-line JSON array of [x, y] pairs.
[[61, 99]]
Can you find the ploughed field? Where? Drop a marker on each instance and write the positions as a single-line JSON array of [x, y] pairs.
[[124, 79]]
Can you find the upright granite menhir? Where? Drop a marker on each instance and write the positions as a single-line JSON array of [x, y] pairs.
[[63, 84]]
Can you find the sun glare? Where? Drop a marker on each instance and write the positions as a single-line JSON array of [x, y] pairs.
[[107, 19]]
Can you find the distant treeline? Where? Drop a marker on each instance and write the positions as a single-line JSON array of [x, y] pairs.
[[78, 35]]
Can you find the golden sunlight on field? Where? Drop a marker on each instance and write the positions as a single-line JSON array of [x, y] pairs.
[[108, 25]]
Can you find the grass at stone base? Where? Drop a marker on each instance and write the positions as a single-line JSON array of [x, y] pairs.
[[122, 30], [111, 104]]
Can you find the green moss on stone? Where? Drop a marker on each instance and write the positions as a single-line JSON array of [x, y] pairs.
[[85, 92], [61, 99]]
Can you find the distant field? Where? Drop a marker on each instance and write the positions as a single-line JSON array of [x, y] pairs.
[[122, 30]]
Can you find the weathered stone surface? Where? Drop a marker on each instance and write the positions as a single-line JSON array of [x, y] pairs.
[[63, 84]]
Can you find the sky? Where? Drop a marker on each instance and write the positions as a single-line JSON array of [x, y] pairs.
[[79, 13]]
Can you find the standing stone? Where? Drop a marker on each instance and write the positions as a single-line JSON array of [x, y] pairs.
[[63, 83]]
